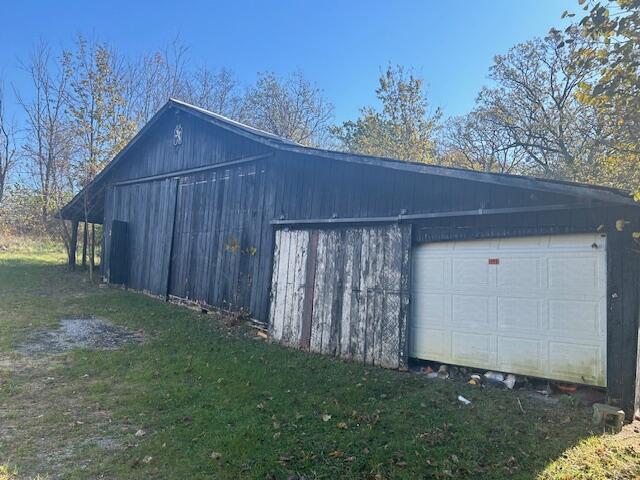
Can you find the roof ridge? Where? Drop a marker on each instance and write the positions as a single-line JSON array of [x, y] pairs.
[[236, 123]]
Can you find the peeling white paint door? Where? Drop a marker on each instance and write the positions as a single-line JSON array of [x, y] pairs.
[[532, 305]]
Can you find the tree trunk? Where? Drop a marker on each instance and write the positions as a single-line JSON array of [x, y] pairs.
[[86, 221], [92, 256], [84, 245]]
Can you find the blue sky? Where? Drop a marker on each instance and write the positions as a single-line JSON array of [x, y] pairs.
[[340, 45]]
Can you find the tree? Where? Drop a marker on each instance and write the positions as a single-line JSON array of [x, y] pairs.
[[613, 28], [216, 91], [7, 147], [534, 103], [156, 77], [47, 146], [612, 50], [403, 129], [476, 141], [290, 107], [97, 111], [96, 106]]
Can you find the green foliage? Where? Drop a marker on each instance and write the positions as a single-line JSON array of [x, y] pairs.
[[402, 129], [613, 31], [20, 211], [614, 28], [96, 103], [290, 107]]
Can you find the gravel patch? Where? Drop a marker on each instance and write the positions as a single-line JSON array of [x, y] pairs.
[[93, 333]]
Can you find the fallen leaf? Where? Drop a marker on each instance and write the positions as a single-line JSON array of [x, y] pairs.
[[342, 426]]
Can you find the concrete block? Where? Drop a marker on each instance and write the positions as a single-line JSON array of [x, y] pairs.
[[610, 417]]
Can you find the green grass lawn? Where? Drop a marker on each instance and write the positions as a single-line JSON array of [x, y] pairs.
[[208, 400]]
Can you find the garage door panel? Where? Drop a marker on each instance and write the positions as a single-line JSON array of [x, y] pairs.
[[521, 314], [583, 242], [520, 354], [433, 342], [574, 318], [537, 308], [471, 271], [431, 270], [471, 348], [576, 362], [577, 274], [518, 272], [477, 245], [521, 243], [438, 306], [470, 311]]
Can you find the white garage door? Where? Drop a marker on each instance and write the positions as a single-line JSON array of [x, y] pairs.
[[533, 305]]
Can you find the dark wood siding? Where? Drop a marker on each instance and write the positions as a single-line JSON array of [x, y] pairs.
[[202, 145], [148, 209], [218, 240]]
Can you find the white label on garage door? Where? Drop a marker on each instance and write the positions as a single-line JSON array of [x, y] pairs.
[[532, 305]]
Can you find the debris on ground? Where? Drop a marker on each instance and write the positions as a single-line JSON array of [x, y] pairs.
[[92, 332], [537, 388], [510, 381], [565, 387], [464, 400], [495, 376], [442, 372]]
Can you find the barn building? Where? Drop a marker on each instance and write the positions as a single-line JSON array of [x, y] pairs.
[[372, 259]]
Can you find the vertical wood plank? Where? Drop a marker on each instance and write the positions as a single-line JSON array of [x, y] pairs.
[[280, 287], [405, 297], [347, 294], [360, 337], [299, 286], [290, 294], [389, 341], [315, 344], [329, 291], [356, 296]]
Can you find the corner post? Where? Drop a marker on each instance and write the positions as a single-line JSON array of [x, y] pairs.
[[84, 244], [73, 244]]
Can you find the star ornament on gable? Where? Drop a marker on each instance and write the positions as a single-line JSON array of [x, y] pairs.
[[177, 135]]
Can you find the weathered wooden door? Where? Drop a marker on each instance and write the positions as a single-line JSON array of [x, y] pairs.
[[343, 292], [118, 268], [216, 236], [147, 208]]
